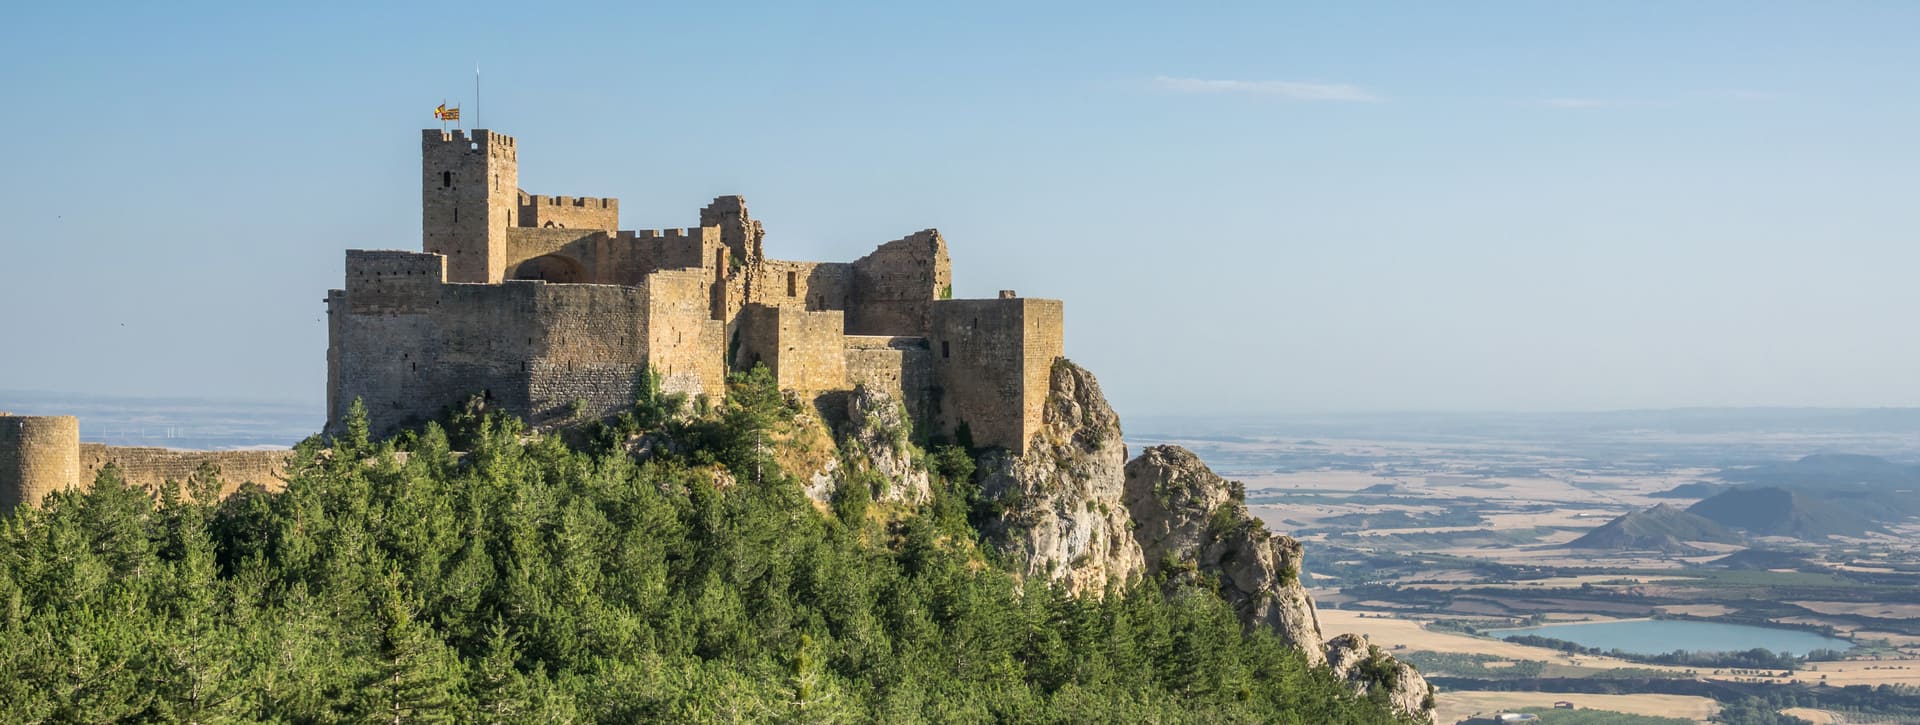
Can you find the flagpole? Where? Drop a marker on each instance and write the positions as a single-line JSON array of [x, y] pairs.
[[476, 95], [443, 117]]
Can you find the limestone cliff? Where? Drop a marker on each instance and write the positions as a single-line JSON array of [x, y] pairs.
[[1058, 510], [1193, 525], [871, 447], [1369, 671]]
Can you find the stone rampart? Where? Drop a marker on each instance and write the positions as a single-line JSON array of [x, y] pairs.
[[155, 467], [568, 212]]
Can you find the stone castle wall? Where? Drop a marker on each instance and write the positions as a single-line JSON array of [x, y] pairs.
[[410, 346], [567, 212], [40, 455], [155, 467], [992, 360], [803, 350], [806, 285], [901, 367]]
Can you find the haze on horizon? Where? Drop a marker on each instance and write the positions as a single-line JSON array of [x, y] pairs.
[[1246, 209]]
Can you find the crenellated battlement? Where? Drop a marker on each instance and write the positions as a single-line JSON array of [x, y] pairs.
[[380, 265], [568, 212], [687, 233], [474, 139], [576, 202]]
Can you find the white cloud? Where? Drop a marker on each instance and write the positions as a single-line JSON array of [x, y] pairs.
[[1293, 90]]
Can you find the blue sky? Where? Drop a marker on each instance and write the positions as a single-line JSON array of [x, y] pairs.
[[1248, 208]]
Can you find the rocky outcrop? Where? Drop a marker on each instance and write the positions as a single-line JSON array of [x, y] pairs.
[[873, 448], [1371, 672], [1058, 511], [876, 437], [1194, 526]]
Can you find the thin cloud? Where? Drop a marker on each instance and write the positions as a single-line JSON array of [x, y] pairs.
[[1291, 90]]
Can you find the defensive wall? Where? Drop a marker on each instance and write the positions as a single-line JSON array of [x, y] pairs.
[[410, 345], [155, 467], [40, 455], [567, 212]]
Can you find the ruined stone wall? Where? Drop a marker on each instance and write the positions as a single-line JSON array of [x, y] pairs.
[[568, 212], [738, 231], [38, 455], [469, 197], [992, 366], [804, 350], [894, 285], [154, 467], [901, 367], [806, 285]]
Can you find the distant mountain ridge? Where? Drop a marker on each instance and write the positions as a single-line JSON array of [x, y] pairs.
[[1664, 528]]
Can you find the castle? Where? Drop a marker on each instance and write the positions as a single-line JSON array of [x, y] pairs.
[[546, 307]]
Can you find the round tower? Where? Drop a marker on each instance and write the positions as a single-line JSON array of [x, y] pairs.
[[38, 455]]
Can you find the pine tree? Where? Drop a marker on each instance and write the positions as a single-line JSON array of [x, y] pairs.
[[415, 675]]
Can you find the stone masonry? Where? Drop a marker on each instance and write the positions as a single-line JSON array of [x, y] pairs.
[[40, 455], [544, 306]]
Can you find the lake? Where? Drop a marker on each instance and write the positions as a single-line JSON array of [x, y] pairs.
[[1660, 636]]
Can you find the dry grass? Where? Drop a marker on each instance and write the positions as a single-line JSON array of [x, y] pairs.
[[1865, 609], [1454, 706]]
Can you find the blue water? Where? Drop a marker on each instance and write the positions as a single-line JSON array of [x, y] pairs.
[[1660, 636]]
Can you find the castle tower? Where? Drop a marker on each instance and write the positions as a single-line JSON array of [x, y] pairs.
[[38, 455], [469, 192]]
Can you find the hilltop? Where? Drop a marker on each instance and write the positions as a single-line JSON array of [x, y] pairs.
[[1774, 511], [1661, 528]]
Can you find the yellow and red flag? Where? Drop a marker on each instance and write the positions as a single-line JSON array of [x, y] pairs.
[[446, 114]]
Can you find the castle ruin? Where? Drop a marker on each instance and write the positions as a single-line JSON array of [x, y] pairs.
[[546, 307]]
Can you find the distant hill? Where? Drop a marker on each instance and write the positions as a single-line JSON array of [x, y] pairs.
[[1696, 489], [1754, 559], [1880, 489], [1663, 528], [1774, 511]]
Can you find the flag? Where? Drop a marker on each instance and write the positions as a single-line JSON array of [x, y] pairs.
[[446, 114]]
